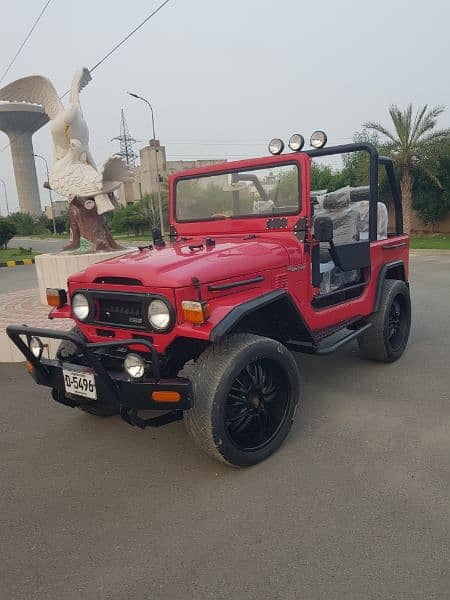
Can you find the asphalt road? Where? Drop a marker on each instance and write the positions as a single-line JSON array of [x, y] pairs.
[[355, 505], [13, 279], [47, 245]]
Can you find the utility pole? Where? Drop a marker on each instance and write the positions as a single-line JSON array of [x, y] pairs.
[[49, 190], [6, 197], [156, 159]]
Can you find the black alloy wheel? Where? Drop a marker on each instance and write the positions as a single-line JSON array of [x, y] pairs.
[[256, 405], [246, 390], [397, 323], [388, 335]]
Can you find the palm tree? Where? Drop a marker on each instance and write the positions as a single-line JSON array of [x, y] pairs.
[[413, 143]]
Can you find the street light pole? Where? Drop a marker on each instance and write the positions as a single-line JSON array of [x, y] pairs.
[[49, 190], [6, 197], [156, 158]]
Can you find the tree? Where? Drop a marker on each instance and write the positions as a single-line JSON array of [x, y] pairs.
[[62, 222], [23, 222], [7, 232], [432, 198], [130, 219], [27, 224], [411, 144]]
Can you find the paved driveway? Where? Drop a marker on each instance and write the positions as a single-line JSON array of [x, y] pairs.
[[355, 505]]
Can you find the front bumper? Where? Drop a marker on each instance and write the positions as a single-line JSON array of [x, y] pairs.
[[113, 387]]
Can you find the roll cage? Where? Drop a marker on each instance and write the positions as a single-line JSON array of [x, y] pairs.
[[261, 222]]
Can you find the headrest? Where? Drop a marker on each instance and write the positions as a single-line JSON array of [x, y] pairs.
[[338, 199], [359, 193]]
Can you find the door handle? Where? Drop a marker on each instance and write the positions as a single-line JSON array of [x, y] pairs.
[[392, 246]]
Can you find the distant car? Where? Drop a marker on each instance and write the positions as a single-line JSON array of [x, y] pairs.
[[255, 269]]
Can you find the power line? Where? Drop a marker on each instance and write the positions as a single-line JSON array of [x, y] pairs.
[[127, 37], [13, 60], [108, 54]]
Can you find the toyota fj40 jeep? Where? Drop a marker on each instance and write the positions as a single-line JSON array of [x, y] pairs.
[[256, 266]]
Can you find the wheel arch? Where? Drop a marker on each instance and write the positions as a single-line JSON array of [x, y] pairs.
[[393, 270], [273, 315]]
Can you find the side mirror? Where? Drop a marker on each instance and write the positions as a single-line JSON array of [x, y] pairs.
[[323, 229]]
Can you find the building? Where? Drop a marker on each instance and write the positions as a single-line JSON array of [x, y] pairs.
[[20, 120], [60, 207], [145, 181]]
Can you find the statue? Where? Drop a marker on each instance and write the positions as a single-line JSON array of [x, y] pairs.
[[73, 172]]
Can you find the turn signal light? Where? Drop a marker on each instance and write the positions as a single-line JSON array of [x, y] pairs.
[[166, 396], [56, 297], [29, 367], [195, 312]]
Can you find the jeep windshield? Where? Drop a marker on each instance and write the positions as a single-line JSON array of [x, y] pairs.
[[234, 194]]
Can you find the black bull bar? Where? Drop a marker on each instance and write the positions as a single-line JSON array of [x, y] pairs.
[[113, 388]]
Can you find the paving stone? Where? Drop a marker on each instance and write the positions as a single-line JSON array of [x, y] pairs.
[[24, 308]]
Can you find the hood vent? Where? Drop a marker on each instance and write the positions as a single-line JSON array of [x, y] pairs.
[[118, 280], [281, 281]]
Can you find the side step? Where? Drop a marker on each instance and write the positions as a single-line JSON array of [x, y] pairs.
[[323, 349], [132, 418]]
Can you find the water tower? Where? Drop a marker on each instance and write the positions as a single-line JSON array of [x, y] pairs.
[[19, 121]]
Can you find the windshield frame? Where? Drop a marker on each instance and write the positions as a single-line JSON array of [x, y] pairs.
[[244, 169]]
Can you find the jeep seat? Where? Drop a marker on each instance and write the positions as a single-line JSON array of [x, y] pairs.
[[346, 230], [382, 219]]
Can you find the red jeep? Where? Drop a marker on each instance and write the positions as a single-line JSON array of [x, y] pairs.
[[257, 266]]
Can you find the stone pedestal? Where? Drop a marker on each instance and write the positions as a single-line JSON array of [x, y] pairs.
[[54, 269]]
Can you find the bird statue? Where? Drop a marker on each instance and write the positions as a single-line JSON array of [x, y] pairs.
[[73, 172]]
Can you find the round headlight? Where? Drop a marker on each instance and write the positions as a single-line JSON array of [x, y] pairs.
[[80, 306], [36, 347], [276, 146], [318, 139], [134, 365], [296, 142], [159, 315]]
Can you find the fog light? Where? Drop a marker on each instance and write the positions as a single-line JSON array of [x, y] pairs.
[[134, 365], [36, 347]]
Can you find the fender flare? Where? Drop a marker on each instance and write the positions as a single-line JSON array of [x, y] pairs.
[[237, 313], [382, 276]]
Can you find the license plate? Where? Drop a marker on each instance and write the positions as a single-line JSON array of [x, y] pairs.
[[81, 384]]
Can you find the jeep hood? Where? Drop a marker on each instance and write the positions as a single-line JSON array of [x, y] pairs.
[[175, 265]]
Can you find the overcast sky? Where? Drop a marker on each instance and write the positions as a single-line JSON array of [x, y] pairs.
[[226, 76]]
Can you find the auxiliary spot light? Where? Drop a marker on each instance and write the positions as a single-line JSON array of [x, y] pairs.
[[276, 146], [318, 139], [296, 142]]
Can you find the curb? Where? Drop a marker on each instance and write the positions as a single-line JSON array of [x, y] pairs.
[[17, 263]]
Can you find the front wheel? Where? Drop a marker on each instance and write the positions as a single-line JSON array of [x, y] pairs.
[[246, 390], [386, 339]]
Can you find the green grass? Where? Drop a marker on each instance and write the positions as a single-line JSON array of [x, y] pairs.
[[45, 236], [17, 254], [438, 241]]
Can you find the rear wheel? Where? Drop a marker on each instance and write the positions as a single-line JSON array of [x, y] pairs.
[[387, 338], [65, 351], [246, 391]]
